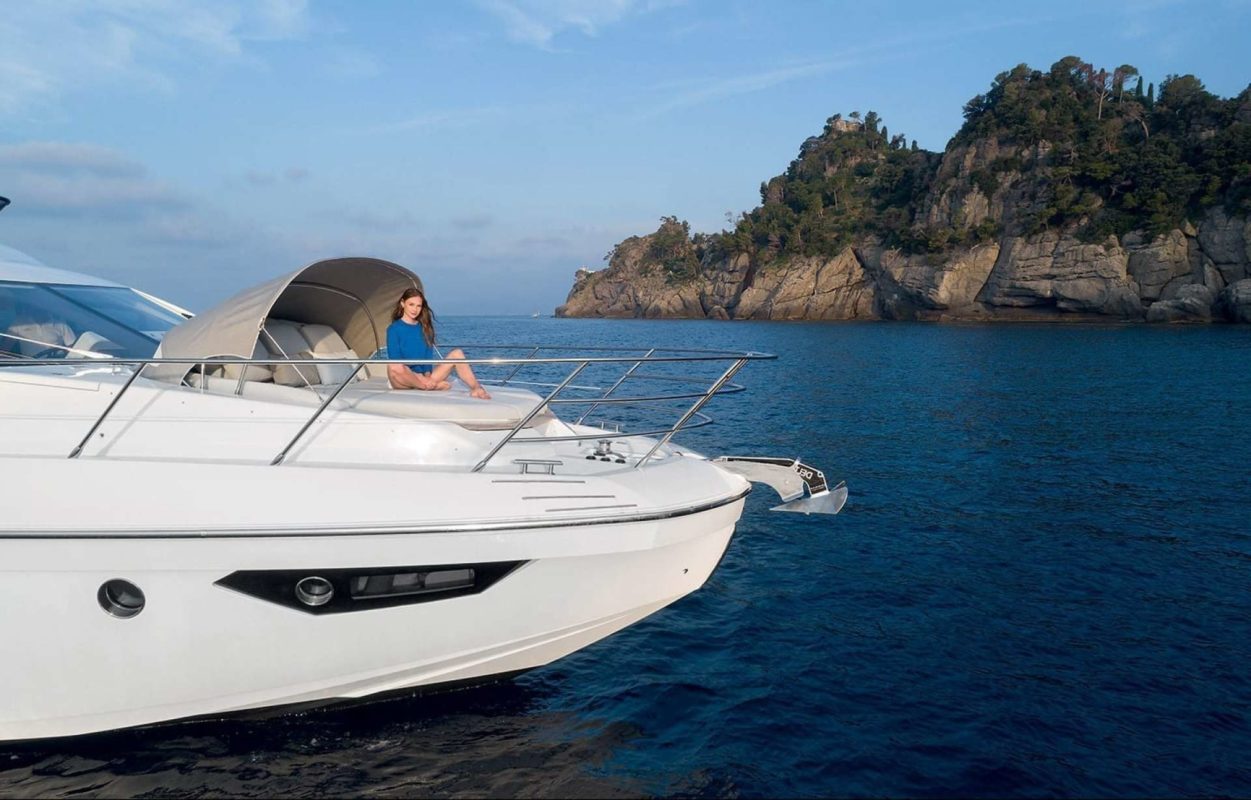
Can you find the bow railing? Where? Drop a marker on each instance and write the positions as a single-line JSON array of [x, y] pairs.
[[615, 368]]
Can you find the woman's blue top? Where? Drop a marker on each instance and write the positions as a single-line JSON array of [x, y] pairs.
[[409, 341]]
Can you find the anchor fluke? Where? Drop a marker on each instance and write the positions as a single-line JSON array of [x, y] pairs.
[[802, 487]]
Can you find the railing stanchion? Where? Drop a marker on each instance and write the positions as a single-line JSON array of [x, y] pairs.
[[517, 368], [579, 363], [100, 419], [325, 403], [525, 420], [613, 388], [693, 410]]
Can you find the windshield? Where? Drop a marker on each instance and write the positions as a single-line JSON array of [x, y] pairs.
[[124, 306], [46, 321]]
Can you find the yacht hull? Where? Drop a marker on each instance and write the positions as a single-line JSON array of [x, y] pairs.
[[239, 523], [199, 648]]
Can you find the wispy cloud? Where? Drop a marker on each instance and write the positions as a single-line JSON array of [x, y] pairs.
[[64, 196], [190, 229], [473, 222], [52, 50], [352, 65], [446, 118], [721, 88], [66, 179], [558, 244], [915, 42], [697, 92], [289, 175], [68, 157], [90, 184], [371, 222], [539, 22]]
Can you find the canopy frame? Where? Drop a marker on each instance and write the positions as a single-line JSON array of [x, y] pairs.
[[366, 291]]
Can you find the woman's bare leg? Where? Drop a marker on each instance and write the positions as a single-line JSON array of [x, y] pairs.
[[463, 371]]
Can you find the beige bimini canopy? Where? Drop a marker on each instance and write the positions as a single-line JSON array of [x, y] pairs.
[[354, 296]]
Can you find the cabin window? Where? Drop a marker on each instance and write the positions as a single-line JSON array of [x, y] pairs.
[[125, 307], [53, 321]]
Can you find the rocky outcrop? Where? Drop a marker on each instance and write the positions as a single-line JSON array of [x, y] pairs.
[[837, 288], [725, 284], [634, 287], [1234, 302], [981, 181], [1226, 245], [1196, 273], [1192, 303], [1064, 195], [1053, 270], [923, 286], [811, 288]]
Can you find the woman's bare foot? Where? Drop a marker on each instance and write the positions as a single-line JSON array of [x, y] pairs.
[[479, 393], [442, 385]]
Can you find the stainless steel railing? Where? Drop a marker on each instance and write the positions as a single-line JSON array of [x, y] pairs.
[[691, 417]]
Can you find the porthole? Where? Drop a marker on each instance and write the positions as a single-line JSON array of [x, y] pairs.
[[120, 598]]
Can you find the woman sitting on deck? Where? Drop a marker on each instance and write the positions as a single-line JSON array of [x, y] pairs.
[[411, 335]]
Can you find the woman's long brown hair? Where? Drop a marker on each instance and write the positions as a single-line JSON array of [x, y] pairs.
[[426, 317]]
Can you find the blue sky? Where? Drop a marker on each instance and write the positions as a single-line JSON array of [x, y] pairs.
[[493, 146]]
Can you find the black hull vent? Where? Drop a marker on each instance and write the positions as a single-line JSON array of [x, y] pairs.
[[336, 591]]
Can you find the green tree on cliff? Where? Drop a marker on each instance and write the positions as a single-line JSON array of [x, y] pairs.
[[1100, 159]]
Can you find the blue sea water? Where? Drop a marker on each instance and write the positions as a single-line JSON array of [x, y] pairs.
[[1040, 586]]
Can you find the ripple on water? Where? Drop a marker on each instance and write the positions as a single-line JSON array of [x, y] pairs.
[[1038, 587]]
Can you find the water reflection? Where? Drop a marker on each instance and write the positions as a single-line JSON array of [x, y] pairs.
[[1038, 587], [491, 740]]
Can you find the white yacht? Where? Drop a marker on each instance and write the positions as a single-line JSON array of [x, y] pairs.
[[249, 517]]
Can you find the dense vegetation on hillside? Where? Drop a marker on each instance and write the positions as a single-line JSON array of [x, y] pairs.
[[1092, 149], [855, 178], [1120, 158]]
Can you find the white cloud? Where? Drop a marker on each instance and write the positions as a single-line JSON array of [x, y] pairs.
[[51, 50], [348, 64], [721, 88], [289, 175], [91, 193], [278, 19], [189, 229], [447, 118], [63, 157], [473, 222], [68, 179], [539, 22], [370, 222]]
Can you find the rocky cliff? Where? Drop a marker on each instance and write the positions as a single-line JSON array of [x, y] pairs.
[[1004, 224], [1198, 274]]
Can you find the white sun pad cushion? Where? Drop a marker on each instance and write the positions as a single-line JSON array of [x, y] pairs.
[[506, 408]]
